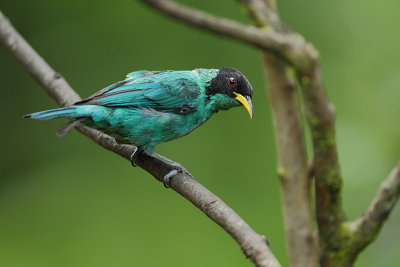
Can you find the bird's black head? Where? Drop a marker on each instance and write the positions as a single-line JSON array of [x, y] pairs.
[[234, 84]]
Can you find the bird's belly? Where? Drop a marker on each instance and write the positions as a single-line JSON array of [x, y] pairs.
[[144, 127]]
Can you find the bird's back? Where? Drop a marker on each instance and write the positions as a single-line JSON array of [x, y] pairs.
[[161, 90]]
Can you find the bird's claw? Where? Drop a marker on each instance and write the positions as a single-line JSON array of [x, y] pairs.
[[168, 177], [173, 166], [176, 169], [133, 157], [181, 169]]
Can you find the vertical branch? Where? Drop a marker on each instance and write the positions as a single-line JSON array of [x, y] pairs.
[[292, 160], [292, 164], [328, 179]]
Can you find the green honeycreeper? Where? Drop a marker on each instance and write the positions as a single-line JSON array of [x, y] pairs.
[[151, 107]]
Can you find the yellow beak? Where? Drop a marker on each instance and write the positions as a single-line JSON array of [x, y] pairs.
[[246, 102]]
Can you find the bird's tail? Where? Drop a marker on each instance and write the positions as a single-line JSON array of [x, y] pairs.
[[68, 112]]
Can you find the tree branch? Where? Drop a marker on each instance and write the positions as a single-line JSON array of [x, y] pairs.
[[292, 169], [289, 45], [292, 164], [328, 178], [367, 227], [253, 244]]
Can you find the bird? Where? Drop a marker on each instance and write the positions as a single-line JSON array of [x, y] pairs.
[[151, 107]]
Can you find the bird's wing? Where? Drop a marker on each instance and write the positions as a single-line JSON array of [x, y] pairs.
[[142, 73], [164, 91]]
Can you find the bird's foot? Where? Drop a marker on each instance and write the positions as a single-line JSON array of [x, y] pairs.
[[133, 157], [176, 168], [179, 168], [168, 177]]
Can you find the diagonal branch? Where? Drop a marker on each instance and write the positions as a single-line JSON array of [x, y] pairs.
[[367, 227], [253, 244]]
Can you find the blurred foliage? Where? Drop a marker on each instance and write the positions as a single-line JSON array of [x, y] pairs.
[[68, 202]]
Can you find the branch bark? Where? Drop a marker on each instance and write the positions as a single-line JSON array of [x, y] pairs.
[[253, 245], [292, 163], [328, 178]]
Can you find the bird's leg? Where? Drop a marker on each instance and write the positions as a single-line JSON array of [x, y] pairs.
[[174, 164], [176, 168]]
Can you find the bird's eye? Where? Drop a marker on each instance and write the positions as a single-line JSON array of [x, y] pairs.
[[232, 82]]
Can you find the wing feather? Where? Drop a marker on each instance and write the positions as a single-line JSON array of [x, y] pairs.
[[164, 91]]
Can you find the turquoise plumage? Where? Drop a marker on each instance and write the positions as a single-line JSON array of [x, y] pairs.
[[150, 107]]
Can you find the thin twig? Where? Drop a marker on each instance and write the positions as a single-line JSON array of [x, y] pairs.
[[253, 244], [367, 227]]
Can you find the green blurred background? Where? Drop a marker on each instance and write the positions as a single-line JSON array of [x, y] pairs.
[[68, 202]]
